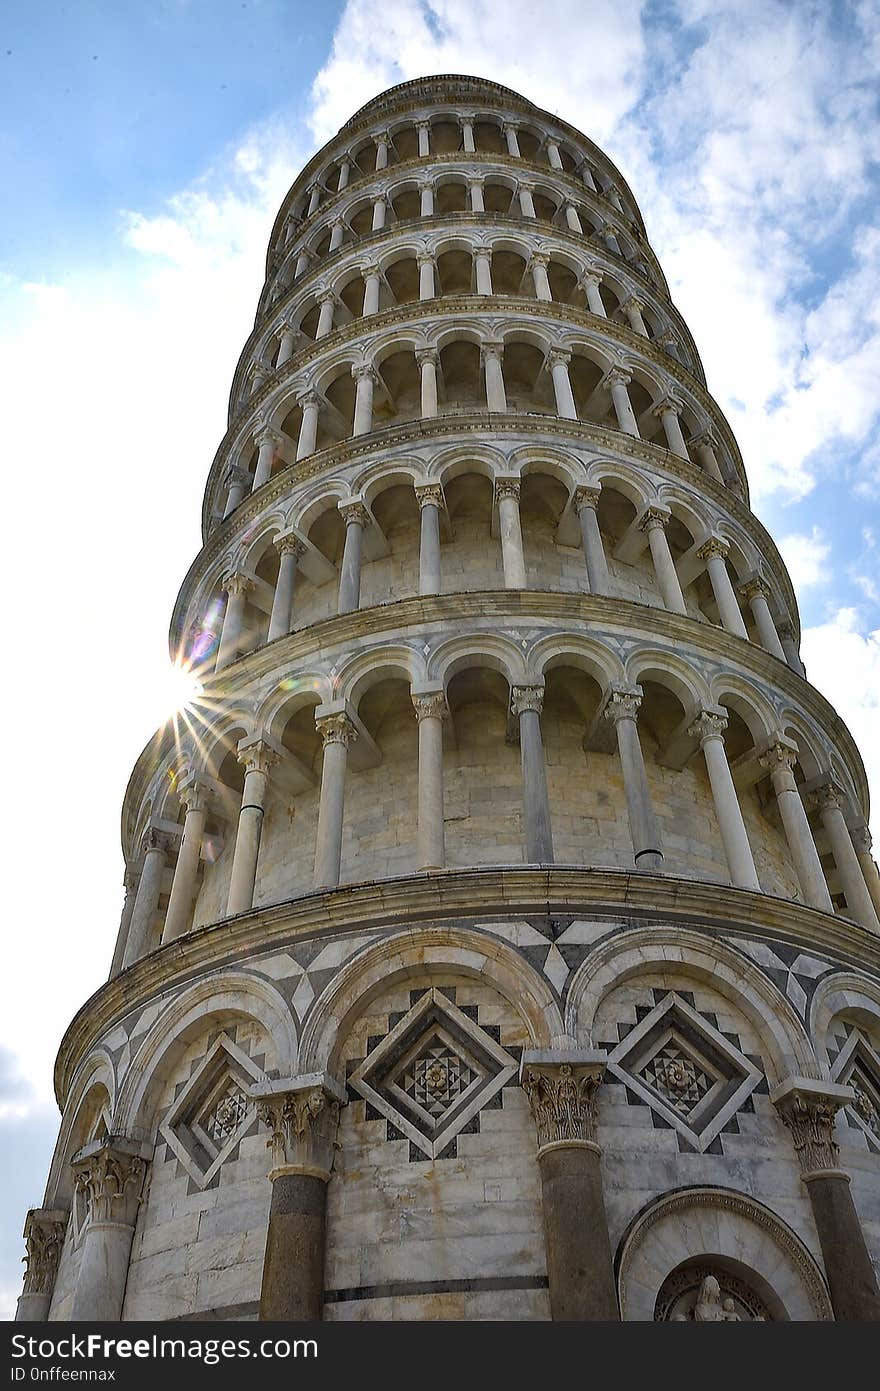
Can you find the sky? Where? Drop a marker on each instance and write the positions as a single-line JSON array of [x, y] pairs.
[[144, 151]]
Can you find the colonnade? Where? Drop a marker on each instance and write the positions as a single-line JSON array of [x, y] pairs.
[[302, 1115]]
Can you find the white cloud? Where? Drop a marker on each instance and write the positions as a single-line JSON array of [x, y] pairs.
[[844, 663], [806, 556]]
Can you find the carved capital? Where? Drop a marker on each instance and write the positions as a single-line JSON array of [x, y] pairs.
[[44, 1238], [623, 703], [524, 698], [237, 584], [709, 724], [336, 729], [809, 1109], [302, 1116], [492, 349], [506, 487], [258, 756], [360, 370], [110, 1174], [654, 517], [827, 795], [539, 258], [616, 376], [288, 544], [429, 495], [370, 268], [430, 705], [861, 839], [308, 398], [666, 404], [562, 1091], [426, 258], [325, 297], [712, 548], [195, 795], [778, 756], [424, 355], [753, 587], [591, 277], [154, 839], [354, 513], [558, 357], [587, 497], [267, 435], [633, 303]]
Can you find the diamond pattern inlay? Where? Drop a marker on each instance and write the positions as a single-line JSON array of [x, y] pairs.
[[213, 1111], [677, 1078], [437, 1078]]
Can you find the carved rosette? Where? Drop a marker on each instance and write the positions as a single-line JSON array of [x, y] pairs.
[[302, 1124], [111, 1180], [810, 1118], [563, 1100], [44, 1238]]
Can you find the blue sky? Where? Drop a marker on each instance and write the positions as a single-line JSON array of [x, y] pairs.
[[144, 150]]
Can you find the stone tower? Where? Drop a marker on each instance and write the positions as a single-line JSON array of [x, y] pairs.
[[500, 936]]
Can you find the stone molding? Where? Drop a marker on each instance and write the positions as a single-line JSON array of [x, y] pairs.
[[44, 1230], [302, 1116]]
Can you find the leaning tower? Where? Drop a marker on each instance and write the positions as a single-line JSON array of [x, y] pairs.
[[500, 933]]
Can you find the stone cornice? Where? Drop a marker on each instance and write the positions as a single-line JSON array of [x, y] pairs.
[[419, 93], [481, 893], [437, 225], [511, 606]]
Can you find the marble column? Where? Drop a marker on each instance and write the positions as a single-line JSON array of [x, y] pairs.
[[236, 481], [424, 133], [496, 397], [178, 918], [509, 131], [337, 232], [562, 1088], [371, 289], [653, 522], [586, 500], [258, 373], [302, 1116], [707, 452], [130, 884], [430, 708], [327, 302], [314, 200], [512, 559], [157, 846], [426, 276], [467, 134], [809, 1108], [258, 756], [381, 142], [426, 201], [109, 1175], [44, 1240], [337, 732], [268, 443], [526, 201], [861, 839], [379, 209], [828, 798], [590, 284], [291, 551], [430, 499], [483, 270], [554, 158], [709, 728], [475, 189], [558, 361], [366, 378], [302, 263], [622, 709], [572, 220], [237, 588], [526, 703], [756, 592], [587, 179], [344, 174], [310, 405], [609, 236], [790, 648], [667, 411], [286, 341], [426, 361], [356, 517], [540, 280], [714, 553], [779, 760], [632, 308], [618, 382]]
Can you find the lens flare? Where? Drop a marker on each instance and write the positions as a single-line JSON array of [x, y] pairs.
[[182, 688]]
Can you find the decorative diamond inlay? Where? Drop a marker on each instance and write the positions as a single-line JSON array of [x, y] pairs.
[[858, 1066], [213, 1111], [433, 1072], [685, 1069]]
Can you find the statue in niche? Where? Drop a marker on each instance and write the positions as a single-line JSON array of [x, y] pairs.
[[708, 1308]]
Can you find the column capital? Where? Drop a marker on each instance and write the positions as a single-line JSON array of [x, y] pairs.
[[558, 357], [426, 183], [591, 276], [809, 1109], [622, 703], [655, 515], [667, 403], [369, 268], [507, 487], [781, 754], [523, 698], [633, 303], [336, 728], [429, 705], [509, 125], [426, 258], [44, 1238], [429, 494], [325, 296], [702, 437], [195, 795], [235, 477], [154, 839], [525, 185], [493, 348], [754, 586], [423, 125], [467, 118], [265, 434], [258, 754], [477, 181], [354, 513], [379, 198], [539, 258], [861, 839], [714, 546], [709, 724], [359, 370], [290, 544], [586, 496], [309, 397], [381, 137], [236, 584], [616, 376], [110, 1174], [427, 355], [562, 1089], [827, 793], [302, 1115]]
